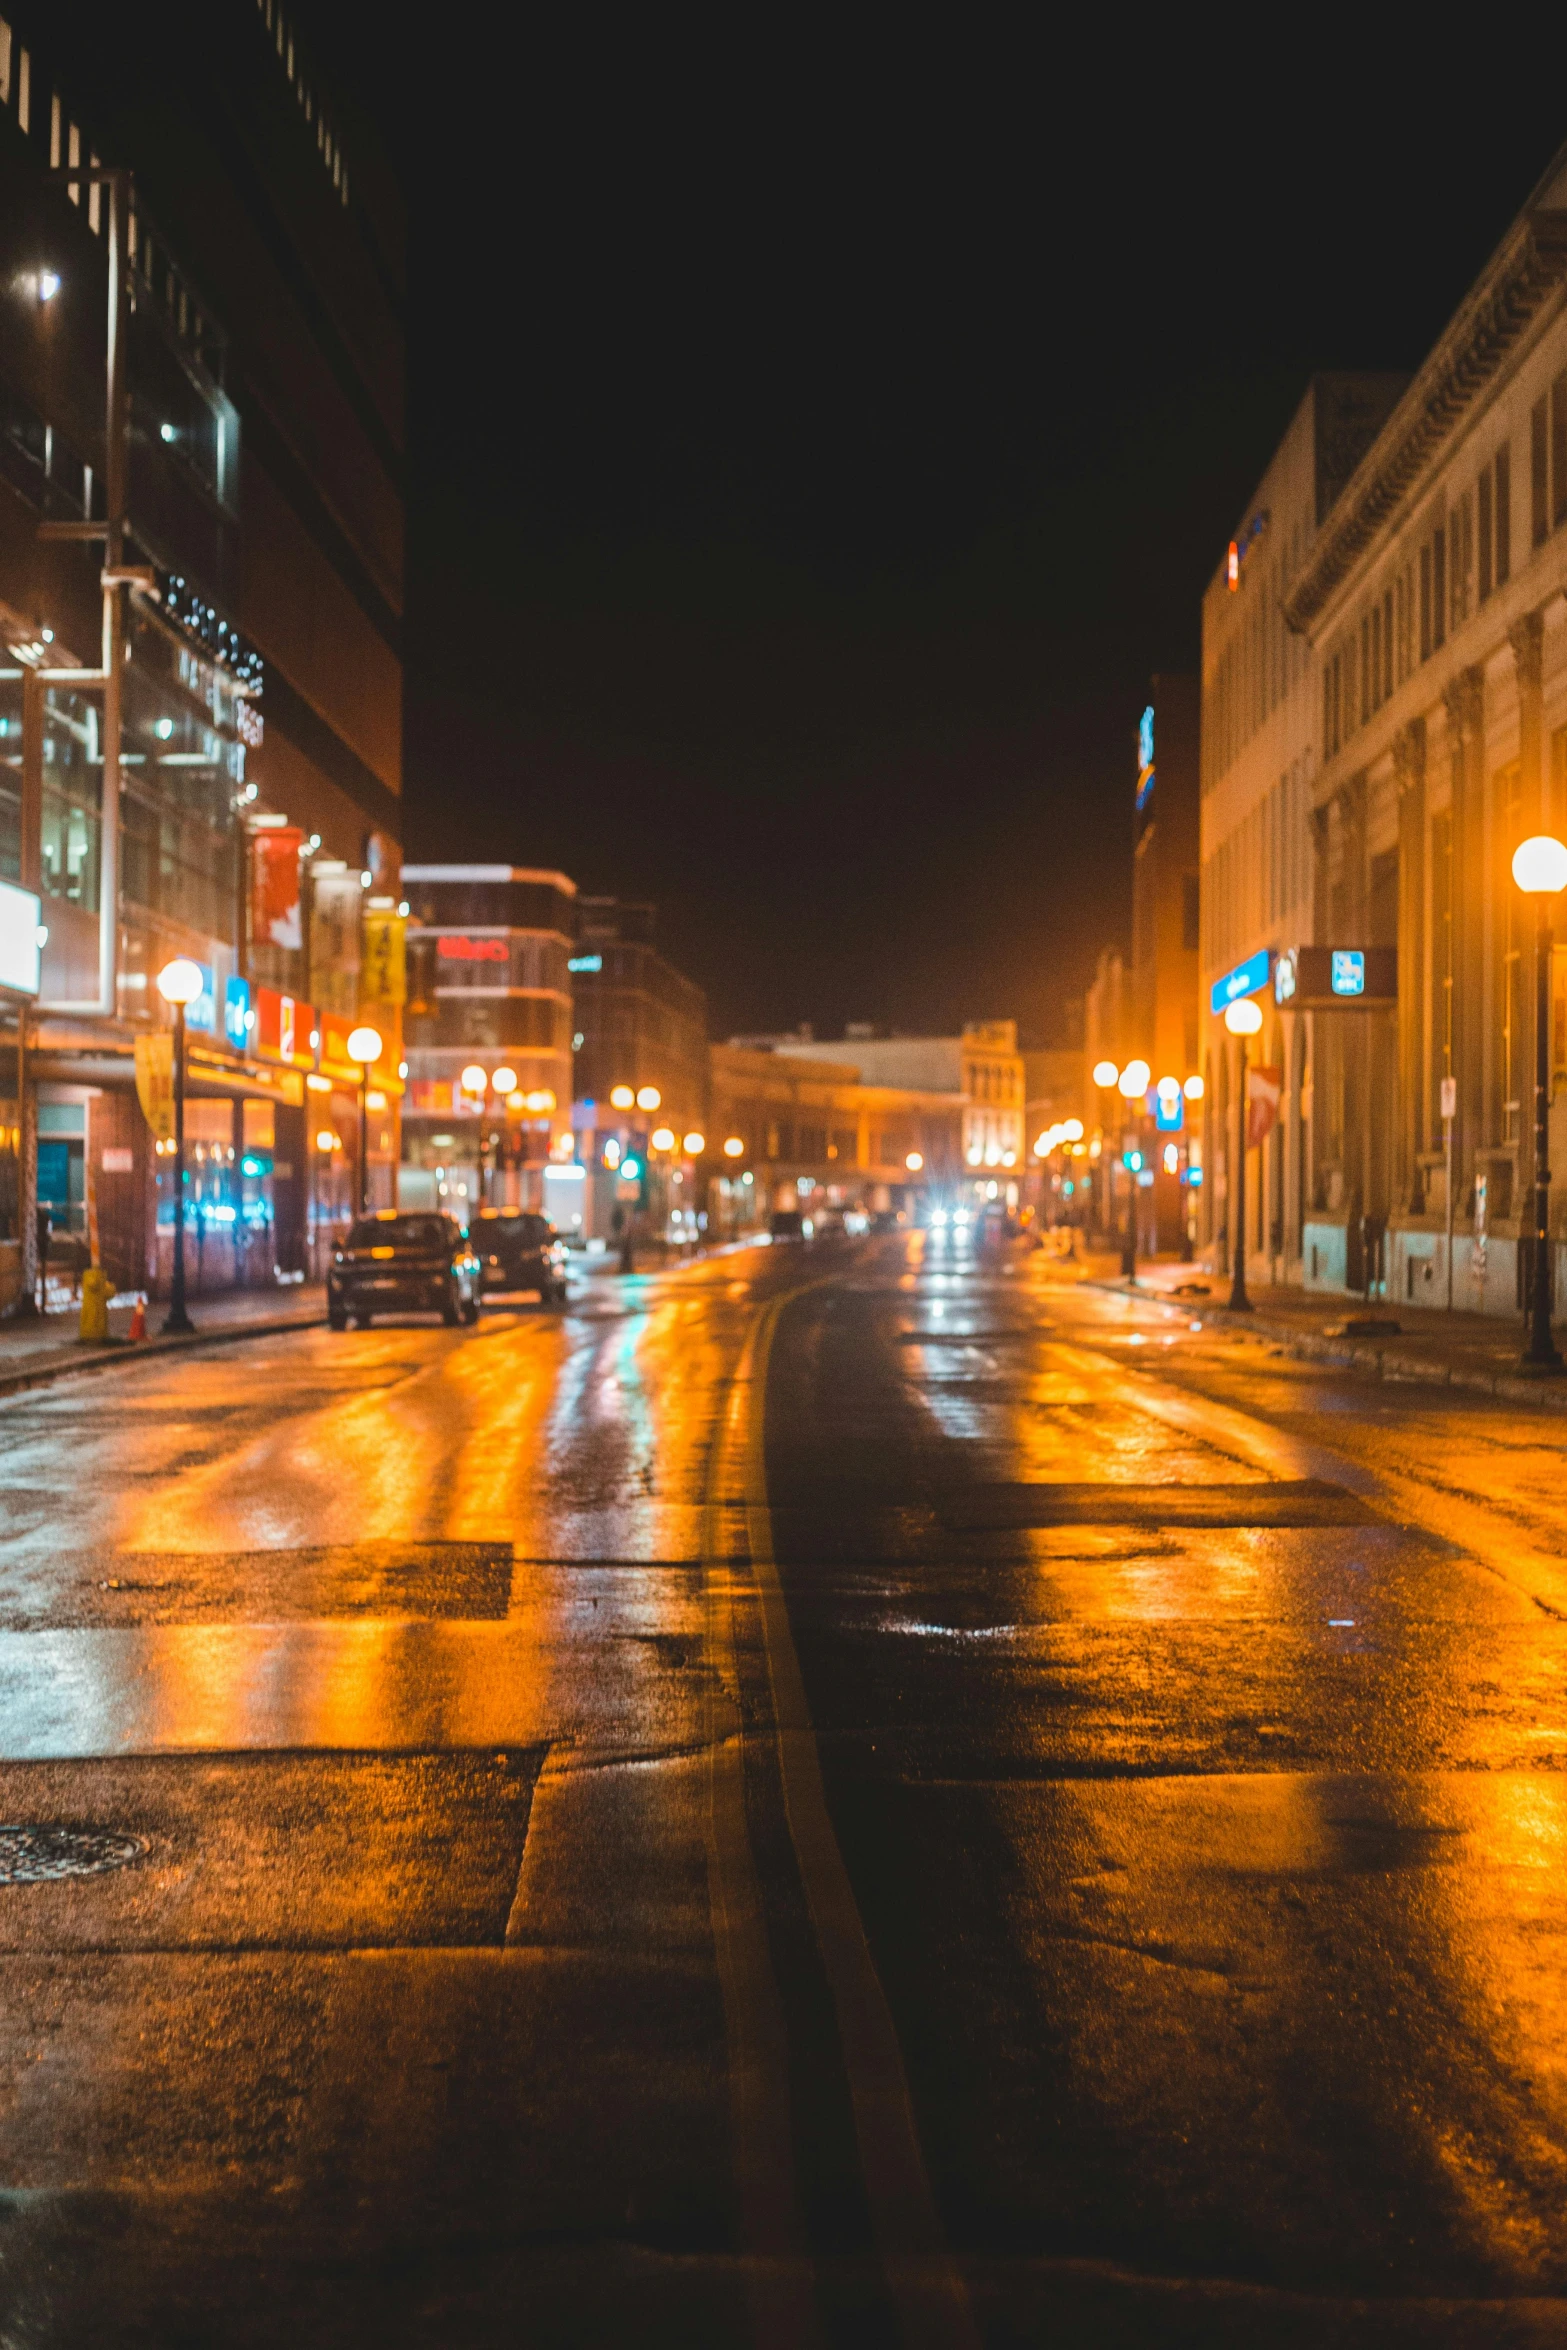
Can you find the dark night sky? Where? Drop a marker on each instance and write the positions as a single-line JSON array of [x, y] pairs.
[[817, 442]]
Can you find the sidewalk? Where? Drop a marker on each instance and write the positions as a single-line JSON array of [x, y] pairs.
[[1478, 1352], [35, 1351]]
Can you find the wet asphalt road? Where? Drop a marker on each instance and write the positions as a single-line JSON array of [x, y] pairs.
[[824, 1798]]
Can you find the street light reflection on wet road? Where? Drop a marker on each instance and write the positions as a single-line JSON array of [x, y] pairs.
[[524, 1740]]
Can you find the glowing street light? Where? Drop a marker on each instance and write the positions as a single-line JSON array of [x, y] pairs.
[[914, 1162], [179, 983], [474, 1080], [662, 1138], [1194, 1089], [648, 1097], [1132, 1083], [694, 1145], [364, 1048], [504, 1081], [1540, 870], [734, 1148], [1106, 1076], [622, 1097]]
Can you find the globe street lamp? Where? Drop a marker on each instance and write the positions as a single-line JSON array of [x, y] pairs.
[[1540, 870], [364, 1047], [1242, 1019], [179, 984]]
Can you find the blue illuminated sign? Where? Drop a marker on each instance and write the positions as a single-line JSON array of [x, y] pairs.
[[236, 1012], [1247, 978], [1169, 1112], [1349, 971], [585, 963], [1145, 767]]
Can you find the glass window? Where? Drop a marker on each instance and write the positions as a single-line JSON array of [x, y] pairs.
[[72, 797]]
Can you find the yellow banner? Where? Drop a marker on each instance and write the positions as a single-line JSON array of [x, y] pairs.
[[155, 1084], [383, 966]]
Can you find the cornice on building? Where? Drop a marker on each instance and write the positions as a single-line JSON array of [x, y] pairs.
[[1526, 269]]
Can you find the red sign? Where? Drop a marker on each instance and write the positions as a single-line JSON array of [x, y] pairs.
[[1263, 1087], [274, 916], [473, 950], [283, 1028]]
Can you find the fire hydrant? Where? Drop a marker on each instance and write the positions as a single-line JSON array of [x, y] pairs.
[[97, 1289]]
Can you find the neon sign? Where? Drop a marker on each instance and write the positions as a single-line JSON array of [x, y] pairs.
[[473, 950]]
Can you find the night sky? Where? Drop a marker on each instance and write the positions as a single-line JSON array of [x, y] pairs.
[[818, 440]]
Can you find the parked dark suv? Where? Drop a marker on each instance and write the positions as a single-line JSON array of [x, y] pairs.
[[519, 1250], [392, 1263]]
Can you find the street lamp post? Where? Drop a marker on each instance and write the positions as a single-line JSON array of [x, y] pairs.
[[1242, 1019], [1133, 1087], [364, 1048], [179, 984], [1540, 870]]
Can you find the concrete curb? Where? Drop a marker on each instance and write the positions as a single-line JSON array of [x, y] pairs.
[[120, 1354], [1386, 1361]]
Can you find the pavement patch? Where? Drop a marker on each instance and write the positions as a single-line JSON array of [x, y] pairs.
[[1292, 1501]]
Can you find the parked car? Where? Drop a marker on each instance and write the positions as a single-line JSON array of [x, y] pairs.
[[393, 1263], [789, 1224], [520, 1250]]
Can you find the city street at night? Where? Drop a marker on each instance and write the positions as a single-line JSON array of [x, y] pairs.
[[866, 1792]]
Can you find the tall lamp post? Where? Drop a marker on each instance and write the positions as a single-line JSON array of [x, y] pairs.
[[1132, 1086], [179, 984], [364, 1048], [1540, 870], [1242, 1019], [1106, 1078]]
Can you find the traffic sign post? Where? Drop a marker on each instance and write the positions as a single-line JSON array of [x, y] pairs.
[[1449, 1112]]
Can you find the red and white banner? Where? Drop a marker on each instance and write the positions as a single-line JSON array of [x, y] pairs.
[[1263, 1088], [274, 919]]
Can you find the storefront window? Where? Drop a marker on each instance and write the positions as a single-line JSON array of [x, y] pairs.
[[72, 796], [180, 777]]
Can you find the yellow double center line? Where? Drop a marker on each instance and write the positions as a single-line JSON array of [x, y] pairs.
[[922, 2277]]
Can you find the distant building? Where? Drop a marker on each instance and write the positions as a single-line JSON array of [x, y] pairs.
[[1162, 981], [641, 1029], [793, 1129], [982, 1067], [490, 998]]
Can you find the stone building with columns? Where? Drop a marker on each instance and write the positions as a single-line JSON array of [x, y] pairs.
[[1426, 626]]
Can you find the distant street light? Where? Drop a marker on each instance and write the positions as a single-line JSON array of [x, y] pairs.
[[1242, 1019], [662, 1138], [1540, 870], [914, 1162], [648, 1097], [1106, 1076], [1132, 1083], [179, 984], [622, 1097], [734, 1148], [694, 1145], [1194, 1089], [364, 1048], [504, 1081]]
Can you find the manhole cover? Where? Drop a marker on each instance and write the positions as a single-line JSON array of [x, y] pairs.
[[33, 1856]]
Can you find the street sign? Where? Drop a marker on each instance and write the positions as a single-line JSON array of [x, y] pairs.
[[1247, 978], [1337, 979]]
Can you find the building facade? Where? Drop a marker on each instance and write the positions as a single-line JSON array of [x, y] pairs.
[[793, 1129], [1162, 1007], [1385, 719], [1260, 754], [641, 1070], [488, 1039], [200, 598], [982, 1070]]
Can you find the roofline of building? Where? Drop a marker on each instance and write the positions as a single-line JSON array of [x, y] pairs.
[[490, 873], [1527, 267]]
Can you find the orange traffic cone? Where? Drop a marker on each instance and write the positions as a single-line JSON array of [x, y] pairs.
[[138, 1328]]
